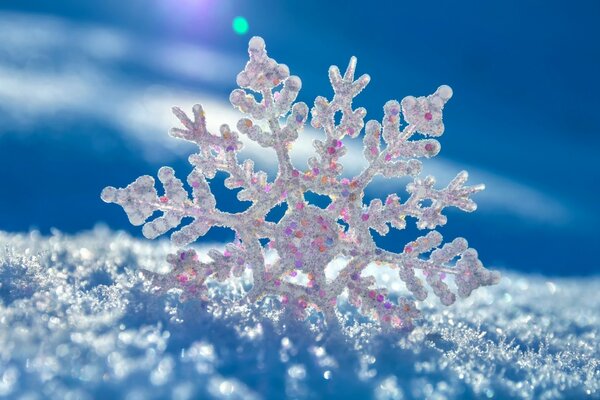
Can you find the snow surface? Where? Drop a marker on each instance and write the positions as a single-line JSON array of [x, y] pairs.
[[78, 320]]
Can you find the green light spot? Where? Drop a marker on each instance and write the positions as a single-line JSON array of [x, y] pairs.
[[240, 25]]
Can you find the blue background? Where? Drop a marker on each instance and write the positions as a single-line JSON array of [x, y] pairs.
[[524, 74]]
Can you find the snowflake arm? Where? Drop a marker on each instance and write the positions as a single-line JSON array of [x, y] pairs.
[[345, 89], [468, 272], [454, 195], [140, 200]]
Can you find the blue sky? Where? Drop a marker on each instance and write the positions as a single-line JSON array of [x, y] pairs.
[[85, 92]]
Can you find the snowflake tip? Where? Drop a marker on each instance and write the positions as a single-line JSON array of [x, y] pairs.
[[424, 114], [165, 173], [445, 92], [109, 194], [349, 75], [294, 83], [256, 45]]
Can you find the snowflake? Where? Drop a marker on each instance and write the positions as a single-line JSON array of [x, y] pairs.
[[308, 238]]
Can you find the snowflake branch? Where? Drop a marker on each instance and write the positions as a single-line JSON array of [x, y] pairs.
[[454, 195], [468, 271]]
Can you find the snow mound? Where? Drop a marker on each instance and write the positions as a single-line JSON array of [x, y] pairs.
[[79, 320]]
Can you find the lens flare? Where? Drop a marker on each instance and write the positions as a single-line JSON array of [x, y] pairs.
[[240, 25]]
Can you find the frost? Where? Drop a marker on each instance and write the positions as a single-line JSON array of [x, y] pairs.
[[308, 239], [78, 320]]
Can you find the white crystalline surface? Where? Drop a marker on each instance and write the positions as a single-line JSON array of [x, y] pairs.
[[79, 320]]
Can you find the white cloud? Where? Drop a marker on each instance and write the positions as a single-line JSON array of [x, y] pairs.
[[86, 82], [33, 41]]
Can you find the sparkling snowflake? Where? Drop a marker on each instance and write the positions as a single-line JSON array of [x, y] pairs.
[[308, 238]]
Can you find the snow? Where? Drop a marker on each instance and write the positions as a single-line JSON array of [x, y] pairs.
[[78, 320]]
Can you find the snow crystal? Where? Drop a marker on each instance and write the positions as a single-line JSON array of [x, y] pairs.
[[308, 238]]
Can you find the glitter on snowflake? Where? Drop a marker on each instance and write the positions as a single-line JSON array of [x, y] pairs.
[[308, 238]]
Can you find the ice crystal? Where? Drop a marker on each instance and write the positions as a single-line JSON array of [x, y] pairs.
[[309, 238]]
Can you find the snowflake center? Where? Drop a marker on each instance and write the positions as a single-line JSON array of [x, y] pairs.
[[307, 239]]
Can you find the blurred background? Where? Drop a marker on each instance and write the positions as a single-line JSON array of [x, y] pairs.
[[86, 90]]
